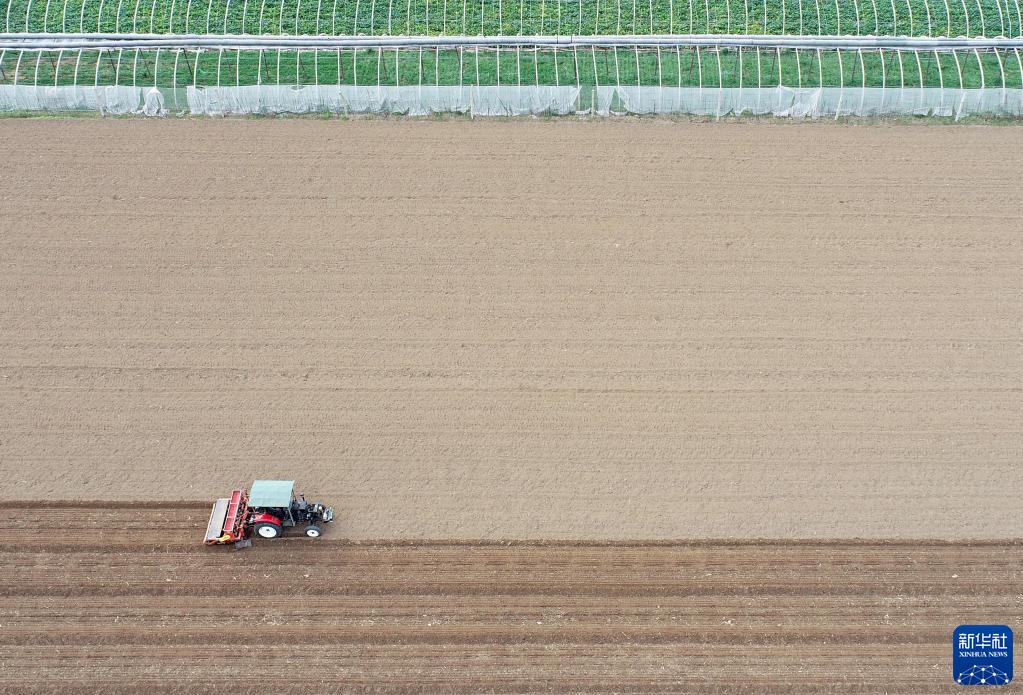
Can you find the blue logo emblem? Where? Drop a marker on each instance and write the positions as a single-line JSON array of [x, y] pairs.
[[982, 655]]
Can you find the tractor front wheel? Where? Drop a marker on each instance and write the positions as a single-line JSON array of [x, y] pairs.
[[265, 530], [313, 532]]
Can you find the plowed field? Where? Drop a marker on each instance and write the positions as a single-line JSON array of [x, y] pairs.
[[113, 599], [525, 330], [630, 329]]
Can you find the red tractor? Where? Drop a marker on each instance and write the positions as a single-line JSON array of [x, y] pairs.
[[266, 510]]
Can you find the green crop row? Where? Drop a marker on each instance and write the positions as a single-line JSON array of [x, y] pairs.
[[685, 67], [519, 17]]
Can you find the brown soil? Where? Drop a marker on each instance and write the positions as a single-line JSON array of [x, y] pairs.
[[119, 600], [521, 329]]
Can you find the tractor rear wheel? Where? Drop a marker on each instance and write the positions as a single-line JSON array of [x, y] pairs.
[[265, 530], [313, 532]]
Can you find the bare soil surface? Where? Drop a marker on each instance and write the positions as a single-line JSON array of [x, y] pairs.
[[561, 330], [118, 600]]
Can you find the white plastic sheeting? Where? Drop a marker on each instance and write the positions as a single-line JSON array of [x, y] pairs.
[[153, 102], [106, 100], [826, 102], [530, 100], [411, 101], [821, 102]]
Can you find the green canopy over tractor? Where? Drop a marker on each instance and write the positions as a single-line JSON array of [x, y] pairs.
[[271, 493]]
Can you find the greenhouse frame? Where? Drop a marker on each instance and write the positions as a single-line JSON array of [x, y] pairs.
[[504, 58]]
